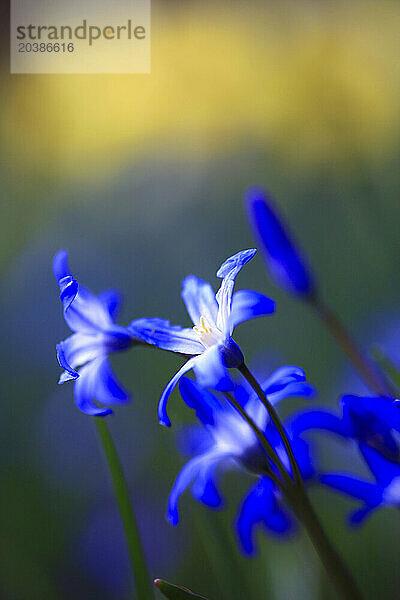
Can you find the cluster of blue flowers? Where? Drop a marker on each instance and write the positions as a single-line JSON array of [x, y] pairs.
[[236, 423]]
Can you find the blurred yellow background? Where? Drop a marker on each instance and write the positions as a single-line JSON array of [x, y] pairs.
[[311, 81]]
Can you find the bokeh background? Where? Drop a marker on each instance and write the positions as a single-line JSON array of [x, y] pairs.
[[142, 178]]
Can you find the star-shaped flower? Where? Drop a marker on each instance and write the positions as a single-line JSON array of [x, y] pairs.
[[214, 316]]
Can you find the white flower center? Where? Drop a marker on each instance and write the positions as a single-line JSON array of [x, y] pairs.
[[208, 335]]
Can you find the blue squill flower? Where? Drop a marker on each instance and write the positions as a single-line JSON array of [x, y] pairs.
[[95, 336], [369, 421], [374, 424], [287, 265], [384, 491], [209, 342], [225, 440]]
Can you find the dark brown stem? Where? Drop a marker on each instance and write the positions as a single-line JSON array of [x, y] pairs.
[[368, 371], [275, 419]]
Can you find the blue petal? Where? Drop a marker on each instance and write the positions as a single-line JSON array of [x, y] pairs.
[[68, 291], [368, 492], [194, 439], [203, 402], [83, 311], [60, 265], [85, 390], [87, 313], [247, 305], [260, 506], [160, 333], [228, 271], [204, 487], [207, 493], [80, 348], [106, 388], [383, 469], [232, 265], [317, 419], [199, 299], [297, 388], [383, 409], [358, 516], [210, 371], [112, 300], [302, 453], [286, 264], [182, 482], [69, 373], [162, 405], [281, 377]]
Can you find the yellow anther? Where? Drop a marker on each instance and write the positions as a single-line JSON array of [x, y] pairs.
[[203, 324]]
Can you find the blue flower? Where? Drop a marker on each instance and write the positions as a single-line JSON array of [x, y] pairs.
[[225, 440], [95, 336], [373, 423], [214, 316], [385, 491], [286, 264]]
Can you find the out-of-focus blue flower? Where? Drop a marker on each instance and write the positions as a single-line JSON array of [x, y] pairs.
[[385, 491], [374, 424], [286, 264], [214, 316], [95, 336], [225, 440]]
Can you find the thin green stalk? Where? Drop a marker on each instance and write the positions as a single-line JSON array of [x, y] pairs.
[[144, 588], [335, 567], [368, 371], [275, 419]]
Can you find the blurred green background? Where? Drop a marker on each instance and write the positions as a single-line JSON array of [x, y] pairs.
[[142, 177]]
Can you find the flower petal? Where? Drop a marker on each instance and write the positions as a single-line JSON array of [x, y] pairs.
[[261, 507], [160, 333], [228, 271], [246, 305], [385, 411], [203, 402], [232, 265], [85, 390], [383, 469], [80, 348], [204, 487], [68, 290], [182, 482], [60, 265], [83, 311], [112, 300], [296, 388], [368, 492], [286, 264], [199, 299], [162, 405], [87, 313], [69, 373], [210, 371], [107, 389], [317, 419], [281, 377]]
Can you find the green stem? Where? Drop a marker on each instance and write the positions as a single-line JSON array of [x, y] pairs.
[[335, 567], [374, 379], [144, 589], [275, 419]]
